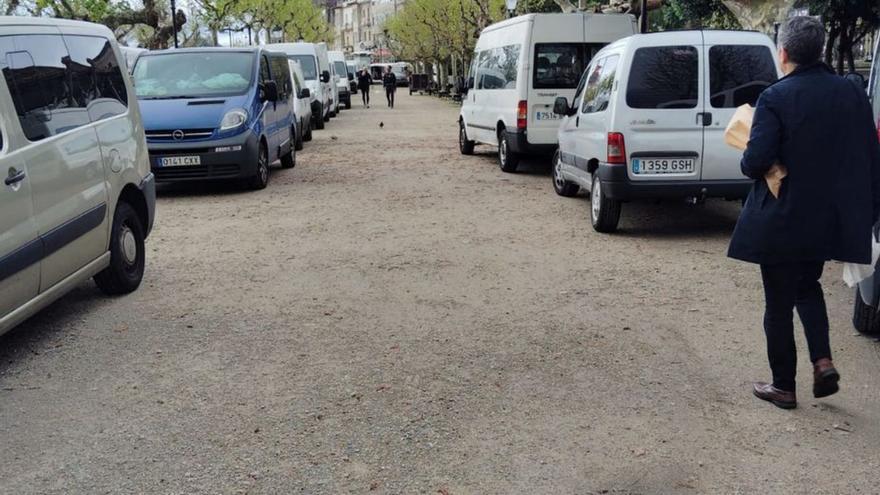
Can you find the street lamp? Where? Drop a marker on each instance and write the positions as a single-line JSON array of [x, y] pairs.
[[174, 22]]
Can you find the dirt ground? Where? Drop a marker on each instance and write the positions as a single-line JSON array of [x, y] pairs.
[[393, 317]]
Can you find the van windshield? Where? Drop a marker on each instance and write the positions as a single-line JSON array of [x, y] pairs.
[[194, 74], [341, 70], [560, 65], [308, 66]]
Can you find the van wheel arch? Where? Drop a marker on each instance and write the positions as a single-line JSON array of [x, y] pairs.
[[135, 198], [592, 166]]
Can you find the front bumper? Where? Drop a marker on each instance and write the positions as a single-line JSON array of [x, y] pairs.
[[617, 185], [148, 189], [518, 142], [238, 164]]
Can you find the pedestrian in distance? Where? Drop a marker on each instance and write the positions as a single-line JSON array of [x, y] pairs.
[[389, 81], [819, 126], [364, 83]]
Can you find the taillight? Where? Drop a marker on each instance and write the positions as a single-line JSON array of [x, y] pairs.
[[616, 149], [522, 114]]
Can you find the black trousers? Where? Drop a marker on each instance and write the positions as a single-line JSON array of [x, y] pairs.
[[788, 286], [389, 94], [365, 95]]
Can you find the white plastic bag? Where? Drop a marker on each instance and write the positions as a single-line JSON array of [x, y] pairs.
[[853, 273]]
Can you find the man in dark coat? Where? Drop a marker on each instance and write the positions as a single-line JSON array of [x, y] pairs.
[[364, 83], [820, 127], [389, 80]]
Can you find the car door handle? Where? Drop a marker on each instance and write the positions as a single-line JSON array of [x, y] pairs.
[[704, 119], [14, 177]]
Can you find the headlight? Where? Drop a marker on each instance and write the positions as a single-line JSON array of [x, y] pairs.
[[233, 119]]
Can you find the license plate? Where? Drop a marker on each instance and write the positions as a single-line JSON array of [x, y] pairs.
[[663, 165], [546, 116], [180, 161]]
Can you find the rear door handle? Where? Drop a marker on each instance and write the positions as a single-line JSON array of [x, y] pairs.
[[14, 177], [704, 119]]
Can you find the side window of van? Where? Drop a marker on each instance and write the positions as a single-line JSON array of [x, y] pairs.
[[499, 67], [281, 71], [96, 78], [738, 74], [36, 71], [664, 77], [264, 70], [558, 65], [598, 93]]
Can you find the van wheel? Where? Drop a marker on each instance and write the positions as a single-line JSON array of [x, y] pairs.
[[560, 185], [865, 317], [464, 144], [348, 104], [289, 160], [308, 136], [319, 118], [260, 179], [604, 212], [298, 144], [507, 160], [127, 257]]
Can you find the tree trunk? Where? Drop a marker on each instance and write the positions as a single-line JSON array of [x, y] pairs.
[[829, 44]]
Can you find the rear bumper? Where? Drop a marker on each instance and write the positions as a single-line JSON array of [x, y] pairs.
[[148, 189], [617, 185], [214, 165], [519, 143]]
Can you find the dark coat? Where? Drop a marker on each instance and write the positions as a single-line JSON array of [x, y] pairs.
[[364, 80], [389, 80], [821, 128]]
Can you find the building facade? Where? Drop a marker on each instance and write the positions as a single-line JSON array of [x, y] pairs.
[[359, 24]]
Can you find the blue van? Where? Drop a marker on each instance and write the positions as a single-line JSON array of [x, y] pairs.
[[216, 113]]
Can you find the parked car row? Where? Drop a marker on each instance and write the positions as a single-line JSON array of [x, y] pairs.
[[625, 116], [83, 143]]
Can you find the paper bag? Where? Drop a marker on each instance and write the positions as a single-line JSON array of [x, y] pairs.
[[737, 136]]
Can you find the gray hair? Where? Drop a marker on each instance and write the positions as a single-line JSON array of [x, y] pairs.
[[802, 38]]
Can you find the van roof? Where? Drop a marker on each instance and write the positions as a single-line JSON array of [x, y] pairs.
[[623, 42], [206, 49], [300, 48], [531, 17], [16, 20]]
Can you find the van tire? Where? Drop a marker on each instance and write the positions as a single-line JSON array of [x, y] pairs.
[[319, 118], [308, 136], [465, 146], [348, 104], [126, 269], [298, 144], [260, 179], [507, 160], [866, 320], [604, 212], [560, 185]]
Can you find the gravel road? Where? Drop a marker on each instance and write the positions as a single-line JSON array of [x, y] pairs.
[[392, 317]]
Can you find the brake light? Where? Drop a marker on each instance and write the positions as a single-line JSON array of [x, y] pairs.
[[616, 149], [522, 114]]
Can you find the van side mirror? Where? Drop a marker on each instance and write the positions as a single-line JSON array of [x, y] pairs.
[[325, 76], [350, 76], [561, 107], [305, 93], [270, 91], [470, 83]]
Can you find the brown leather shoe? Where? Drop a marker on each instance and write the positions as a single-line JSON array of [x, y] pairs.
[[779, 398], [825, 378]]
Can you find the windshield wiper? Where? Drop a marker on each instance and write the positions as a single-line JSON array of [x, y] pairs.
[[174, 97]]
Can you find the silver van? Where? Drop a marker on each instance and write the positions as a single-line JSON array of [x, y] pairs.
[[77, 198]]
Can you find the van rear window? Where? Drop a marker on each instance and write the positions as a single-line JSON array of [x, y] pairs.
[[738, 74], [664, 77], [560, 65]]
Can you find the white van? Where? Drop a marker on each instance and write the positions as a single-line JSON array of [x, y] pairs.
[[648, 118], [519, 68], [77, 199], [302, 105], [315, 65], [343, 89]]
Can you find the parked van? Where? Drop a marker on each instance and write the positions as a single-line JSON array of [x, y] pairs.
[[315, 65], [131, 54], [302, 105], [519, 67], [343, 78], [216, 113], [648, 117], [78, 198]]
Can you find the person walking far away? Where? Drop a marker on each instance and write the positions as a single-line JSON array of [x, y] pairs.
[[364, 83], [819, 126], [389, 80]]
